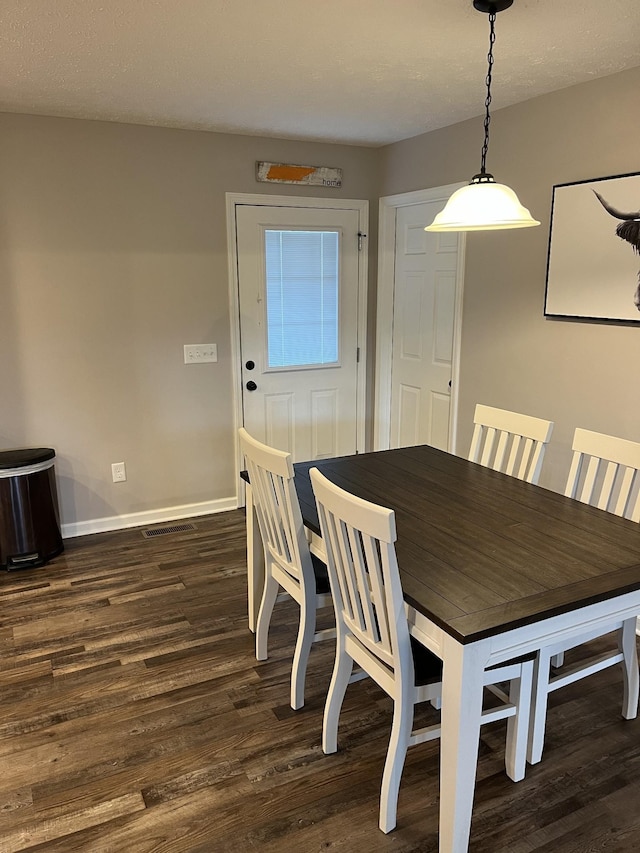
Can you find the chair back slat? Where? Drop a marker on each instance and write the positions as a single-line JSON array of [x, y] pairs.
[[276, 505], [605, 473], [489, 442], [372, 626], [624, 505], [509, 442], [336, 539], [363, 571], [476, 444], [535, 462], [590, 480], [611, 470], [381, 625], [356, 566], [501, 451], [270, 499], [574, 475]]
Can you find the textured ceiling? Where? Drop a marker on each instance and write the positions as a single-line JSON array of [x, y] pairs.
[[357, 71]]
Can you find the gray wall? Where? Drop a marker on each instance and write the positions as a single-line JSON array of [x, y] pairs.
[[576, 374], [113, 255]]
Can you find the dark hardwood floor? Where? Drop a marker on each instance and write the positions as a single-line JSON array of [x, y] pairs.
[[134, 718]]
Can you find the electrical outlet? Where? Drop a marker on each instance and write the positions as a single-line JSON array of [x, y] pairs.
[[198, 353], [118, 472]]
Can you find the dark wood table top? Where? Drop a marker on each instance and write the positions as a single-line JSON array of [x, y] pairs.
[[481, 552]]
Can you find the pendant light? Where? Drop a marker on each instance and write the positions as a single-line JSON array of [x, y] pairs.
[[484, 205]]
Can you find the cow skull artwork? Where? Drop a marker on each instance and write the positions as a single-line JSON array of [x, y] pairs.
[[628, 230]]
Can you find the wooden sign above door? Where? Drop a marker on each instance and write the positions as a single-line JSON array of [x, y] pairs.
[[283, 173]]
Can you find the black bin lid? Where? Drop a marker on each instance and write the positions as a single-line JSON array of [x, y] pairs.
[[22, 457]]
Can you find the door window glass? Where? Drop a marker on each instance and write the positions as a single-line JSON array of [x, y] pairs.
[[302, 297]]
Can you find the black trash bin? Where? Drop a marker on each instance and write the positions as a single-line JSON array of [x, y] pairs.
[[29, 517]]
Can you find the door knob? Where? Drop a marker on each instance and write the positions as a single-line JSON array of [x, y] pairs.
[[250, 365], [251, 385]]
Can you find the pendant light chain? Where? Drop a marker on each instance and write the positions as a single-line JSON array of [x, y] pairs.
[[487, 103], [484, 204]]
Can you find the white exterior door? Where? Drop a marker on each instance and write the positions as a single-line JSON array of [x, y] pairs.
[[298, 292]]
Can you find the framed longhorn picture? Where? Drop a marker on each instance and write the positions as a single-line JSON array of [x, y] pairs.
[[593, 265]]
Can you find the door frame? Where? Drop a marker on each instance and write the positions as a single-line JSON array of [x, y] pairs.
[[387, 216], [256, 199]]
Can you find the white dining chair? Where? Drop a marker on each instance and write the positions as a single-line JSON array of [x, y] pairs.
[[509, 442], [373, 632], [604, 473], [288, 561]]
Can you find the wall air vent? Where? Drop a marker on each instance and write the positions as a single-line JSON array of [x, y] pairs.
[[163, 531]]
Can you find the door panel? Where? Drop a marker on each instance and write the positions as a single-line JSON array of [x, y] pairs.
[[423, 329], [298, 299]]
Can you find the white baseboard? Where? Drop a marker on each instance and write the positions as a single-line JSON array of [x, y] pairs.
[[154, 516]]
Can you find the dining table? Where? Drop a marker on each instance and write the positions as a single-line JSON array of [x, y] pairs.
[[492, 568]]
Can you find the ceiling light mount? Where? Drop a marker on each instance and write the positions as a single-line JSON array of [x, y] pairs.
[[484, 205], [489, 6]]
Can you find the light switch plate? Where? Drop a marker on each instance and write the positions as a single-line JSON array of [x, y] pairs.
[[198, 353]]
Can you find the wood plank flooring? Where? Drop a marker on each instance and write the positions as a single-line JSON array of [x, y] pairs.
[[134, 718]]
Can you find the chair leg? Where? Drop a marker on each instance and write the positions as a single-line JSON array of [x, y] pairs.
[[628, 647], [306, 630], [269, 595], [255, 561], [342, 670], [394, 763], [538, 717], [518, 725]]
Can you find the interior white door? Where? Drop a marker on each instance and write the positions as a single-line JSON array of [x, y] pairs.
[[423, 329], [298, 299]]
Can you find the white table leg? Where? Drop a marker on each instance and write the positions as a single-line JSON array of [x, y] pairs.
[[255, 561], [461, 714]]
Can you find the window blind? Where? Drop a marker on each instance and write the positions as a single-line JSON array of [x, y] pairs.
[[302, 297]]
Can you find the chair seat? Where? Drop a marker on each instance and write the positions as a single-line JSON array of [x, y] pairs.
[[427, 666], [322, 575]]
